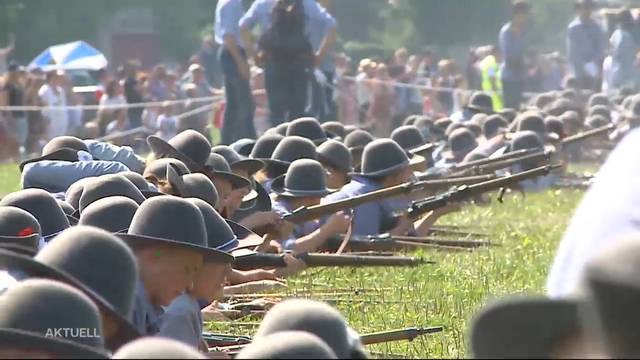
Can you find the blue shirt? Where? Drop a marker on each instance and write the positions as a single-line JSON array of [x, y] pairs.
[[513, 47], [372, 218], [182, 321], [267, 185], [227, 20], [320, 27], [145, 317], [122, 154], [623, 53], [283, 208], [318, 20], [585, 44], [57, 176], [437, 152]]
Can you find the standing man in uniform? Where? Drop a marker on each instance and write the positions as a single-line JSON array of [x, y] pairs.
[[513, 47], [286, 50], [322, 105], [240, 107], [586, 47]]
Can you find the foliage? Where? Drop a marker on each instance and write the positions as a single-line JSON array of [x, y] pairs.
[[411, 23], [358, 50], [398, 30], [38, 24]]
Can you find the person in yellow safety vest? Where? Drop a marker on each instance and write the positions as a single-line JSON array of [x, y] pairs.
[[490, 75]]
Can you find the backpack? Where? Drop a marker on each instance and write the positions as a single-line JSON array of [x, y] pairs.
[[286, 41]]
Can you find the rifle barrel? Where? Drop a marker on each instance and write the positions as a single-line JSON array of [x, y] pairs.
[[484, 162], [315, 212], [461, 233], [420, 208], [445, 242], [538, 157], [398, 335], [455, 180], [260, 261], [388, 244], [587, 134], [315, 260]]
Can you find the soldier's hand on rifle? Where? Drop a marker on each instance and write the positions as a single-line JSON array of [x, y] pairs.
[[261, 219], [270, 245], [283, 230], [294, 266], [403, 226], [337, 224], [212, 313]]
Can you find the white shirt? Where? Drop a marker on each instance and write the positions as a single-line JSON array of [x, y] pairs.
[[167, 127], [609, 212], [106, 100], [363, 91], [606, 73], [58, 118]]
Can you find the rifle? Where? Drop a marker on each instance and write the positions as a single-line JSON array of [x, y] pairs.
[[432, 241], [461, 229], [409, 334], [261, 261], [397, 335], [535, 158], [239, 314], [419, 208], [377, 243], [304, 214], [454, 232], [217, 340], [587, 134], [462, 167]]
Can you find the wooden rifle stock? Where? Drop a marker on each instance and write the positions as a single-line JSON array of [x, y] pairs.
[[260, 261], [304, 214], [398, 335], [419, 208]]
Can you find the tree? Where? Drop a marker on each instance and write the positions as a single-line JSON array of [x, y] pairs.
[[48, 22]]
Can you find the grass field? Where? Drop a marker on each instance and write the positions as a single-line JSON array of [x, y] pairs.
[[446, 294], [9, 179]]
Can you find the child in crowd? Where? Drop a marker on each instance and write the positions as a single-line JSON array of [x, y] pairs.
[[167, 123]]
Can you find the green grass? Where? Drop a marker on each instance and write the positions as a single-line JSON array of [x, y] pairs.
[[9, 179], [446, 294], [449, 293]]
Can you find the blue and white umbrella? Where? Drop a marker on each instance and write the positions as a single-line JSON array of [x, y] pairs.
[[77, 55]]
